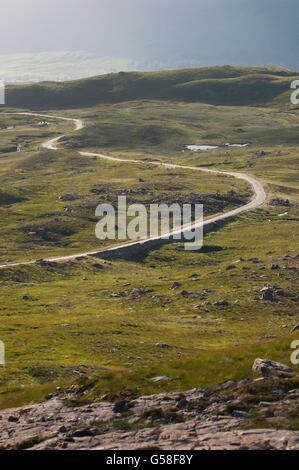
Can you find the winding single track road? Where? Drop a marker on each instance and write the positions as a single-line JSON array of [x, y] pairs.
[[258, 199]]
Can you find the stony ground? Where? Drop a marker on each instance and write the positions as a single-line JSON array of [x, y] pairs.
[[197, 419]]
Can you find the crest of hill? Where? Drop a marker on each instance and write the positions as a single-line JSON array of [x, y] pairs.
[[222, 85]]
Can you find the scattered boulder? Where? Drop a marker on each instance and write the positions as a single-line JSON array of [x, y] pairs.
[[267, 294], [185, 293], [280, 292], [230, 266], [207, 291], [274, 266], [68, 197], [266, 367], [117, 294], [254, 260], [280, 202], [221, 303], [162, 345], [97, 266], [176, 285], [135, 293]]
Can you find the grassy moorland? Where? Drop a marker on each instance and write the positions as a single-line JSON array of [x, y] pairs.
[[82, 322], [48, 199], [223, 85]]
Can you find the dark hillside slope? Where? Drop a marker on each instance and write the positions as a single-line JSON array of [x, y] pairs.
[[223, 85]]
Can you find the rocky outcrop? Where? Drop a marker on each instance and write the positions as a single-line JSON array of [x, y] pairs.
[[279, 202], [265, 366], [222, 418]]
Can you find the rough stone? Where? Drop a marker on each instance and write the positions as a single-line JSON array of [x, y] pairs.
[[267, 294], [265, 366], [175, 285], [193, 420], [221, 303]]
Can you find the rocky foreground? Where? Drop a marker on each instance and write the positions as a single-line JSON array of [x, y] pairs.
[[249, 414]]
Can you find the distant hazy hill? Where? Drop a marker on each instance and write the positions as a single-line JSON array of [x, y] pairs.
[[223, 85], [60, 65]]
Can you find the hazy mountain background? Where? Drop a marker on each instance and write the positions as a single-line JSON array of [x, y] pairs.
[[65, 39], [66, 65]]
